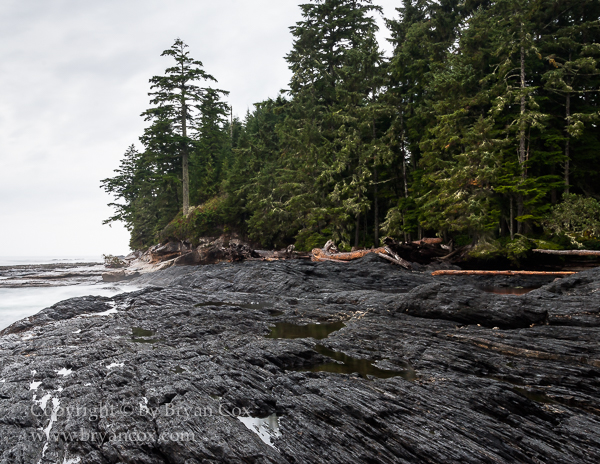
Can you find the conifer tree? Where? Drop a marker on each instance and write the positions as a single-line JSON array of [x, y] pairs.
[[176, 95], [485, 111], [335, 64], [572, 76], [422, 35], [212, 148]]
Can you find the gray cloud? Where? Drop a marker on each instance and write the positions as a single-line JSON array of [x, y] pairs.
[[73, 81]]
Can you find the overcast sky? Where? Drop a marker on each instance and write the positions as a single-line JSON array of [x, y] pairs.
[[73, 82]]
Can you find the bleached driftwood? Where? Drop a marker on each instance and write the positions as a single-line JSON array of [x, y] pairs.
[[569, 252], [505, 273]]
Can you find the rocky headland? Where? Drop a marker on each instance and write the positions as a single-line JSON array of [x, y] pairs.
[[58, 274], [294, 361]]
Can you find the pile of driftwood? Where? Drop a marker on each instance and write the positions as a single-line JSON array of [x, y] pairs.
[[430, 250], [422, 252]]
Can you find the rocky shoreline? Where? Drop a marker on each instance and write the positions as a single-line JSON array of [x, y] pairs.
[[50, 274], [389, 366]]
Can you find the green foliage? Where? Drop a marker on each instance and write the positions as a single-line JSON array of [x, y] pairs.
[[485, 113], [577, 217], [462, 240], [519, 248], [201, 221], [186, 122], [112, 261], [307, 240], [515, 250], [486, 249], [546, 245]]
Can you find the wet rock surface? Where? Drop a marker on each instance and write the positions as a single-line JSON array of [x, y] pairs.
[[50, 275], [183, 371]]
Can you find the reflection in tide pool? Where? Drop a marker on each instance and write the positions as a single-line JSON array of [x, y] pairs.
[[316, 331], [18, 303], [510, 290], [266, 428], [363, 367]]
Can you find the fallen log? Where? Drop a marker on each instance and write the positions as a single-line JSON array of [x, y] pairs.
[[398, 260], [503, 273], [419, 252], [330, 247], [322, 255], [321, 259], [455, 252], [395, 261], [428, 241], [569, 252]]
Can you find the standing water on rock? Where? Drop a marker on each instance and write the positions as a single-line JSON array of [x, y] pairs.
[[29, 284]]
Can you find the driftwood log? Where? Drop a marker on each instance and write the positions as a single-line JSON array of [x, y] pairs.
[[398, 259], [326, 254], [400, 262], [504, 273], [403, 254], [569, 252], [424, 251], [428, 241], [320, 254]]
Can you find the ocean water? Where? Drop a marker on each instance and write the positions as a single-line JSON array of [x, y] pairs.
[[27, 260], [25, 301], [18, 303]]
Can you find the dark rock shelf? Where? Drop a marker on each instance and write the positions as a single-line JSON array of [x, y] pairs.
[[183, 371]]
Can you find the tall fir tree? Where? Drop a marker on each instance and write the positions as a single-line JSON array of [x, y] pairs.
[[176, 95], [336, 74]]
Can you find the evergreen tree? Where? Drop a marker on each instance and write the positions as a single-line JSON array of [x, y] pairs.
[[212, 148], [483, 114], [176, 96], [336, 64], [572, 79], [422, 36]]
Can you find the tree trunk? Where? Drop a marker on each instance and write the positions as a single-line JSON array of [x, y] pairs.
[[365, 231], [356, 233], [504, 228], [512, 220], [522, 155], [407, 237], [186, 184], [375, 209], [504, 273], [403, 150], [522, 133], [185, 156], [519, 213], [553, 194], [567, 147]]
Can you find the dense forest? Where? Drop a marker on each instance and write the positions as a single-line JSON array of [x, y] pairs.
[[482, 128]]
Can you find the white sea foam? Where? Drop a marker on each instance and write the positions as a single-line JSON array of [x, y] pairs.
[[19, 303]]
